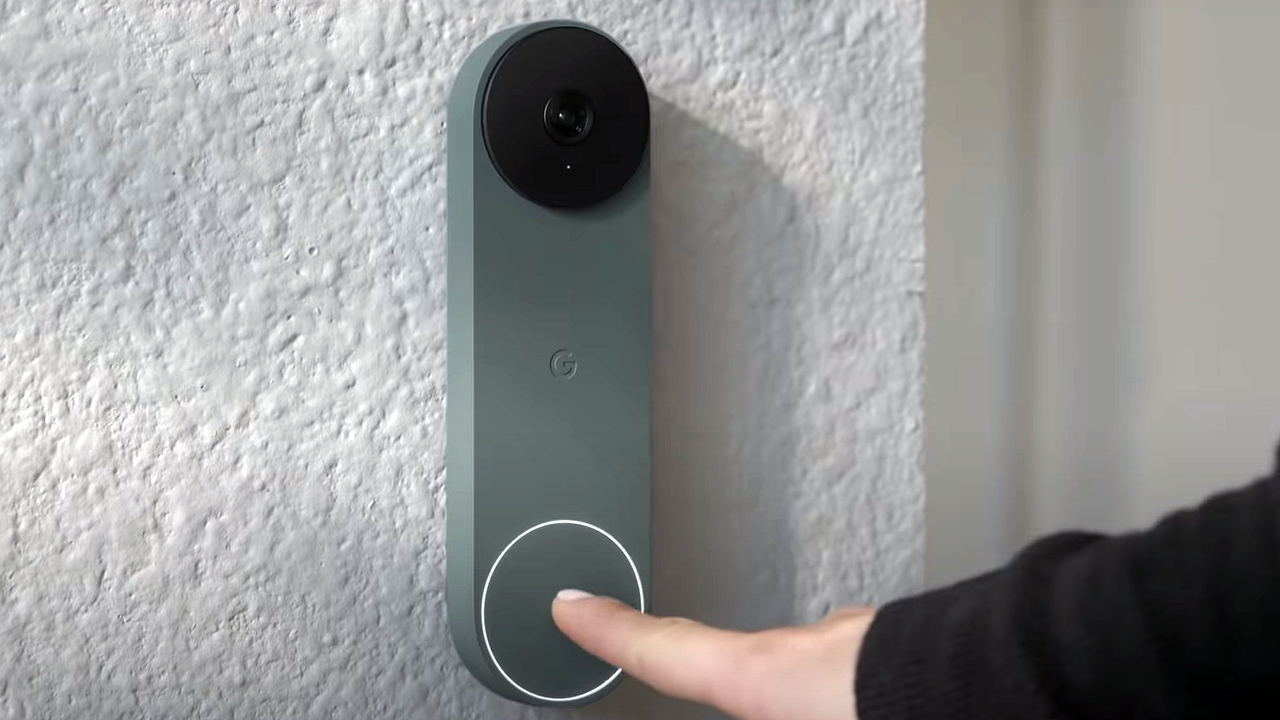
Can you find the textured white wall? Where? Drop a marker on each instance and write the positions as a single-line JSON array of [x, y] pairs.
[[222, 313]]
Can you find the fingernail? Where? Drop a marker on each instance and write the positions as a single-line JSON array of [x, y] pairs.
[[573, 595]]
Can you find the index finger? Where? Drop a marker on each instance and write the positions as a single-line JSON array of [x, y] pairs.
[[678, 657]]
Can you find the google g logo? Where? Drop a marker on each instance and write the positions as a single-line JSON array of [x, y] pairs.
[[563, 365]]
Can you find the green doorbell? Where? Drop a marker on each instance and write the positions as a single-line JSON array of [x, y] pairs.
[[549, 351]]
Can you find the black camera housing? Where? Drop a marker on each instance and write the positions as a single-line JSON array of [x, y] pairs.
[[605, 130]]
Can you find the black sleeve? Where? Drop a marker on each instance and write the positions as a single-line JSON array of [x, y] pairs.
[[1178, 621]]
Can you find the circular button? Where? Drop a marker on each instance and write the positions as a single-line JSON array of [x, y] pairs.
[[523, 643]]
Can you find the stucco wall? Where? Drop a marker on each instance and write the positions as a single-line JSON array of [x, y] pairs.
[[222, 365]]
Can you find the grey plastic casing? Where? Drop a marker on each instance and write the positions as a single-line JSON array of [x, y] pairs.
[[548, 406]]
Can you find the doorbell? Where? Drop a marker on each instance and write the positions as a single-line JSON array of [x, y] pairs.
[[549, 352]]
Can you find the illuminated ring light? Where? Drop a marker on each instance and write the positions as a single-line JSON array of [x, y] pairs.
[[484, 597]]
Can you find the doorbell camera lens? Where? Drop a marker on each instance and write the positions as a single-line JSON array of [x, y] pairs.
[[565, 97], [568, 117]]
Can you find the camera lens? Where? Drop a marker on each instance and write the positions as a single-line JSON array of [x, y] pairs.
[[565, 118], [568, 117]]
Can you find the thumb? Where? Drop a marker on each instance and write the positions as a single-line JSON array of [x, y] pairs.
[[678, 657]]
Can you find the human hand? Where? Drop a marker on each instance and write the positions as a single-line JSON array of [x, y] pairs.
[[791, 673]]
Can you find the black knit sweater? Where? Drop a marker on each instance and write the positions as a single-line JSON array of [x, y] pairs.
[[1178, 621]]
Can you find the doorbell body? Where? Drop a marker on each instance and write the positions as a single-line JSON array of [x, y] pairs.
[[549, 351]]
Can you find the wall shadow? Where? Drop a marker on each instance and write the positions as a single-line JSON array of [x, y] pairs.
[[724, 439]]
